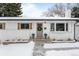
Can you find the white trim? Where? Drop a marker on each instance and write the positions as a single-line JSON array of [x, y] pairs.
[[37, 18]]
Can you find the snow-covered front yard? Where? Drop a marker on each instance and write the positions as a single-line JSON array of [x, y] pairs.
[[62, 49], [63, 53], [51, 49], [61, 45], [24, 49]]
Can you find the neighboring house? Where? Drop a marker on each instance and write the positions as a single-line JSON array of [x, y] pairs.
[[55, 29]]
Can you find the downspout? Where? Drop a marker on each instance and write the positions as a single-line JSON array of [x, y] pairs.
[[74, 31]]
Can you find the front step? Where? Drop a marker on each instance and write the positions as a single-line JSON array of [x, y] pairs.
[[42, 40], [39, 39]]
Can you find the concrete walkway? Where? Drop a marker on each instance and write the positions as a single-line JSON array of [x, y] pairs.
[[38, 49]]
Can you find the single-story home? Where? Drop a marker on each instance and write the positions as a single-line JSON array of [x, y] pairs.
[[51, 28]]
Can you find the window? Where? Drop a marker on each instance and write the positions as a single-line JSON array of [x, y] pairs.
[[2, 25], [24, 25], [60, 27], [52, 26], [66, 26]]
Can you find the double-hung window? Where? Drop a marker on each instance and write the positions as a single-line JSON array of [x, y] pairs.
[[52, 26]]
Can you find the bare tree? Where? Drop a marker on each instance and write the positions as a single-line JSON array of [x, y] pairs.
[[58, 9]]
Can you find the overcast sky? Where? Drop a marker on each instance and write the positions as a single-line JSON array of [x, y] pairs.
[[35, 10]]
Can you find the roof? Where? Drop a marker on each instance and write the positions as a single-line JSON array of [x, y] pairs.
[[37, 19]]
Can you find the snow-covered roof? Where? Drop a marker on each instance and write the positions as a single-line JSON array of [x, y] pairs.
[[35, 18]]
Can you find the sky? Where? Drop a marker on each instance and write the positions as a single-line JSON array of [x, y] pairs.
[[35, 9]]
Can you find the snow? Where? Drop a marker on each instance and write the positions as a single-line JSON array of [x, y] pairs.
[[51, 49], [37, 18], [63, 53], [61, 45], [24, 49], [62, 49]]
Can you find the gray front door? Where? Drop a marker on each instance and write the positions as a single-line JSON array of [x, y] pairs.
[[39, 30]]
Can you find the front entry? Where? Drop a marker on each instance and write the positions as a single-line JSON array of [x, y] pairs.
[[39, 30]]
